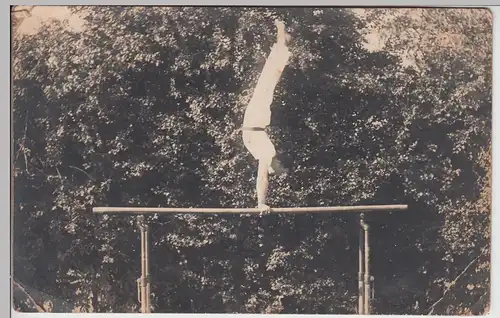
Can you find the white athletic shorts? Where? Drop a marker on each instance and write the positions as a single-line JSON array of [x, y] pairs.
[[259, 145]]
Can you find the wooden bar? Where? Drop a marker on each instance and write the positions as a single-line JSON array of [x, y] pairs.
[[338, 209]]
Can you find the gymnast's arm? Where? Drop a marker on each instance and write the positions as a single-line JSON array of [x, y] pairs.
[[262, 184]]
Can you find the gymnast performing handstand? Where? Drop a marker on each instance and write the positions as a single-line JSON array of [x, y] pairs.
[[258, 116]]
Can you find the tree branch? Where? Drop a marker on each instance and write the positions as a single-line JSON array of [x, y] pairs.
[[27, 10], [37, 306], [91, 178], [22, 145], [431, 308]]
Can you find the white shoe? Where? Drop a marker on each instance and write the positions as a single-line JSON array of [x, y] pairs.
[[283, 36]]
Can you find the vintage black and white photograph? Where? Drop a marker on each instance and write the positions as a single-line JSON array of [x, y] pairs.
[[259, 160]]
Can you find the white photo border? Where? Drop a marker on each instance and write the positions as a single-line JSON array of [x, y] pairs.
[[6, 266]]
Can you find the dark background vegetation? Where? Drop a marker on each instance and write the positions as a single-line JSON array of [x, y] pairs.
[[136, 110]]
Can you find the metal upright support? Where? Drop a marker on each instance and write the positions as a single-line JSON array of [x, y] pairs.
[[361, 285], [144, 283], [367, 278]]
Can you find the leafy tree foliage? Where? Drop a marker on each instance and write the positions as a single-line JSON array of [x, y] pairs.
[[141, 107]]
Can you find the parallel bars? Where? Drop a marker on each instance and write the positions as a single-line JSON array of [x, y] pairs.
[[364, 277]]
